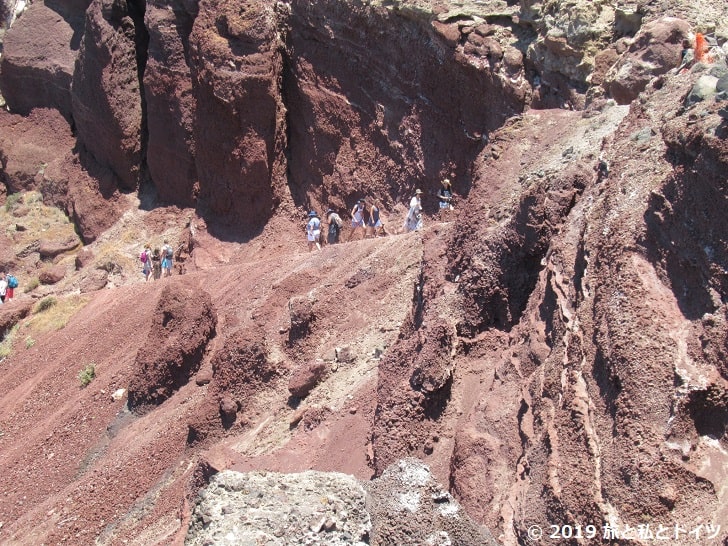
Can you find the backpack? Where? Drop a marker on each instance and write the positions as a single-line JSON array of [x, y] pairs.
[[143, 256], [12, 281], [168, 252]]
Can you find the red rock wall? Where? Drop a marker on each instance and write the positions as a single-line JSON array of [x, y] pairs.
[[379, 103], [107, 105], [170, 101], [37, 67], [239, 123]]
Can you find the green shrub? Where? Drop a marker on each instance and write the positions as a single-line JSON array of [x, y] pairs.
[[44, 304], [6, 346], [87, 375], [29, 342], [12, 200], [31, 285]]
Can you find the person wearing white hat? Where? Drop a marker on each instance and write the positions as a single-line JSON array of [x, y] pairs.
[[445, 195], [313, 231], [414, 216]]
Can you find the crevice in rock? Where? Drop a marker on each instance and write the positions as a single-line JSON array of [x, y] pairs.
[[610, 386], [136, 10]]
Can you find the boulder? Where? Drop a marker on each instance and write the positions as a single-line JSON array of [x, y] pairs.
[[315, 508], [656, 49], [52, 275], [95, 280], [305, 378], [51, 249]]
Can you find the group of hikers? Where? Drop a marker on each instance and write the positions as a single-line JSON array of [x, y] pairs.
[[157, 263], [8, 284], [366, 216]]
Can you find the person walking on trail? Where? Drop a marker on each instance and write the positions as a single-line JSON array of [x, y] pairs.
[[12, 285], [335, 225], [375, 227], [313, 231], [3, 287], [146, 259], [156, 264], [357, 217], [445, 195], [413, 221], [167, 255]]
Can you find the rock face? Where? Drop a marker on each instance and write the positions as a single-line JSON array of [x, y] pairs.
[[106, 100], [408, 506], [37, 67], [385, 121], [170, 103], [236, 65]]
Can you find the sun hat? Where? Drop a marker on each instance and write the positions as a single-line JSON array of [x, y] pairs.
[[446, 182], [418, 190], [312, 214], [329, 211]]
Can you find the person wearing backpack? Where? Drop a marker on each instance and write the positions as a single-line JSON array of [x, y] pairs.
[[12, 285], [313, 231], [167, 254], [156, 264], [335, 225], [146, 258]]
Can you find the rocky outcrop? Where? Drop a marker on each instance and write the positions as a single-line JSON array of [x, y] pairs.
[[618, 304], [184, 322], [656, 49]]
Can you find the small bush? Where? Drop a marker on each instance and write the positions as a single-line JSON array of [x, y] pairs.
[[29, 342], [12, 200], [54, 314], [44, 304], [31, 285], [87, 375], [6, 346]]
